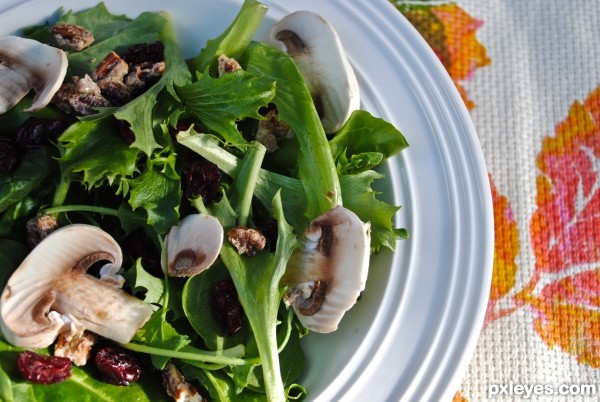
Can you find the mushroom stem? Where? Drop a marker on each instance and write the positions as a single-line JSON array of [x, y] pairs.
[[51, 292], [101, 308]]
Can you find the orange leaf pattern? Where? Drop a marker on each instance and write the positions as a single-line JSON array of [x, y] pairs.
[[565, 233], [565, 230], [451, 33], [506, 249]]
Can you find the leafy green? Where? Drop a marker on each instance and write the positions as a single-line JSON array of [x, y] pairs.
[[94, 149], [234, 40], [294, 103], [257, 281], [33, 169], [219, 102], [93, 175]]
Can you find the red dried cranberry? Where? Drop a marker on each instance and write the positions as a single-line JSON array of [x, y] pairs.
[[202, 179], [37, 131], [42, 369], [9, 155], [269, 230], [117, 366], [144, 52], [226, 307], [126, 133]]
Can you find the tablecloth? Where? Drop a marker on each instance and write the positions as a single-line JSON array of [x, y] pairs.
[[529, 73]]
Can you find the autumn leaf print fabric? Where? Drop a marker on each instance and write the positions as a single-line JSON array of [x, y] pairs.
[[529, 73]]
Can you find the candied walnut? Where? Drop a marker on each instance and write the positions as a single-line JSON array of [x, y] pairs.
[[226, 307], [227, 65], [39, 228], [9, 155], [71, 36], [77, 348], [82, 97], [247, 241], [117, 366], [38, 131], [112, 66], [109, 76], [42, 369], [176, 386], [271, 129]]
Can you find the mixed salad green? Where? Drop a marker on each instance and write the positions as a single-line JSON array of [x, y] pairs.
[[133, 190]]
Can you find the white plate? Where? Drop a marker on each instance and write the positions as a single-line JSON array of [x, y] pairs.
[[412, 334]]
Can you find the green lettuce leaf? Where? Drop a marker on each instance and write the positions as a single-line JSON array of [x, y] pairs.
[[234, 40], [220, 102]]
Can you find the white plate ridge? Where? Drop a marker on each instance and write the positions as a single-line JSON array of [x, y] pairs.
[[414, 330]]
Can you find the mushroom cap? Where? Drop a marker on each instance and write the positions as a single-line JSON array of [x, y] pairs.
[[318, 53], [331, 270], [193, 245], [27, 64], [50, 292]]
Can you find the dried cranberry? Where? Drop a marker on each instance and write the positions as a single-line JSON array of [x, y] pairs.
[[202, 178], [126, 133], [269, 230], [42, 369], [144, 52], [226, 307], [37, 131], [117, 366], [9, 155]]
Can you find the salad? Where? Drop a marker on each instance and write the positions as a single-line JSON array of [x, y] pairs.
[[172, 228]]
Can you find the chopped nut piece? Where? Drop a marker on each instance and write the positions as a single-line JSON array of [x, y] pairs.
[[112, 66], [71, 36], [39, 228], [78, 348], [247, 241], [80, 97], [176, 386], [271, 129], [227, 65]]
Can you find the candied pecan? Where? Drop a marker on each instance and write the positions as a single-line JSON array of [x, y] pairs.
[[271, 129], [247, 241], [176, 386], [42, 369], [112, 66], [82, 97], [38, 131], [227, 65], [72, 36], [9, 155], [226, 307], [117, 366], [39, 228], [79, 98], [77, 348], [202, 178]]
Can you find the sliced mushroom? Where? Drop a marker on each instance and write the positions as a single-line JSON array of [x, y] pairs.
[[51, 293], [27, 64], [193, 245], [327, 275], [318, 53]]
